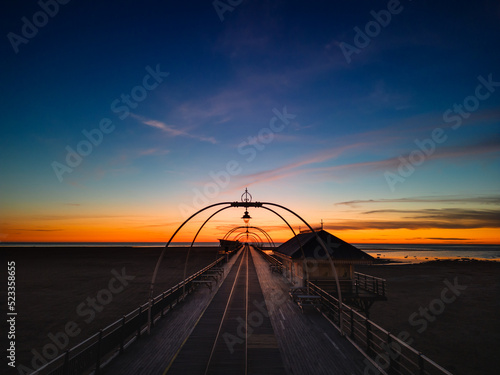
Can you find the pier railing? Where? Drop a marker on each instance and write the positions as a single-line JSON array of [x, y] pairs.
[[274, 264], [90, 355], [370, 283], [391, 354]]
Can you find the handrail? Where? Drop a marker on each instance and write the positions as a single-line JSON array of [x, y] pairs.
[[370, 283], [370, 276], [269, 258], [373, 340], [75, 360]]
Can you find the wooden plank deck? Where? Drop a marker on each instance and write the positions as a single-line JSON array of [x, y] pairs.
[[280, 338], [235, 334], [151, 354], [309, 343], [197, 351], [264, 355]]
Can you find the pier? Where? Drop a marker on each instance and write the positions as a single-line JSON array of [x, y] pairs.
[[250, 325], [245, 323], [250, 312]]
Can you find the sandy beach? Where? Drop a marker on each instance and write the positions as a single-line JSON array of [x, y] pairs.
[[461, 333], [58, 285], [54, 287]]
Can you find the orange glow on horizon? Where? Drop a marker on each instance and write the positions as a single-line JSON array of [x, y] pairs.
[[112, 224], [395, 236]]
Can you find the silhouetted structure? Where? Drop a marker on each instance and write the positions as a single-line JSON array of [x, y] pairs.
[[304, 259], [228, 245]]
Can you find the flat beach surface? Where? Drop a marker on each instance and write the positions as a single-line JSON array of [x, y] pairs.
[[52, 282], [464, 336]]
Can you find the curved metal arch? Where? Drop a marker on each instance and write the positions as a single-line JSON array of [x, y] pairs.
[[322, 244], [268, 237], [194, 239], [254, 236], [295, 236], [235, 204], [253, 242], [162, 254]]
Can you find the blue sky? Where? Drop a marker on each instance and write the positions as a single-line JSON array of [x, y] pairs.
[[350, 119]]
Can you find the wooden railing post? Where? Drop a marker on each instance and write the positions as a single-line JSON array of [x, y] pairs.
[[162, 303], [139, 322], [421, 364], [389, 350], [352, 323], [122, 335], [66, 363], [340, 315], [368, 337], [98, 360]]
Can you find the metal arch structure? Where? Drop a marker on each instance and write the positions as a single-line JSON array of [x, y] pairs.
[[231, 231], [268, 237], [254, 238], [246, 203], [252, 235], [192, 243]]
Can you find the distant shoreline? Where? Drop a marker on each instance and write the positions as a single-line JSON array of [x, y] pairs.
[[362, 246]]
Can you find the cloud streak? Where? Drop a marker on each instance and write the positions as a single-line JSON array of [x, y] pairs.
[[448, 218], [172, 131], [486, 147], [438, 199]]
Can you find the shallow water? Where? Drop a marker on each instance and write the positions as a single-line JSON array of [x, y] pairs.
[[420, 253]]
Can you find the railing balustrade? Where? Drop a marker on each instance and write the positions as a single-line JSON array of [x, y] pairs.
[[391, 354]]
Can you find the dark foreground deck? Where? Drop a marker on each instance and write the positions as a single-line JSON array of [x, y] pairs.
[[246, 325]]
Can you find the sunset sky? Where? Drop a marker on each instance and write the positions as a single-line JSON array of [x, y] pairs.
[[380, 118]]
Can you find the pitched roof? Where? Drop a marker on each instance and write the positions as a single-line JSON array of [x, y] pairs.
[[337, 248]]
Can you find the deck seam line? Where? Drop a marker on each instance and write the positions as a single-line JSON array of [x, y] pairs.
[[223, 316], [246, 317], [198, 320]]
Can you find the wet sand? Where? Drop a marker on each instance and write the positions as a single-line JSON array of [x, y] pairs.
[[53, 286], [461, 333]]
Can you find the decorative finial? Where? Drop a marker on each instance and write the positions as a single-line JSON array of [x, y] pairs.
[[246, 196]]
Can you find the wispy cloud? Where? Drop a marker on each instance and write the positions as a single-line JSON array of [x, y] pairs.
[[173, 131], [445, 214], [310, 164], [153, 151], [40, 230], [298, 167], [448, 218], [437, 199], [448, 239]]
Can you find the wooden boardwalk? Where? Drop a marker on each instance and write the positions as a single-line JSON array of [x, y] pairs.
[[248, 325], [151, 354], [308, 342], [234, 335]]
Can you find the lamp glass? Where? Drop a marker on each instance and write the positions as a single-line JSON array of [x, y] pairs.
[[246, 217]]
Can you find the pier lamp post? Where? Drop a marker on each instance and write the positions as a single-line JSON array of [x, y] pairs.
[[246, 197], [246, 218]]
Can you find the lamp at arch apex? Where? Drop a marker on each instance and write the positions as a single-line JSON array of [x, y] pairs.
[[246, 217]]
